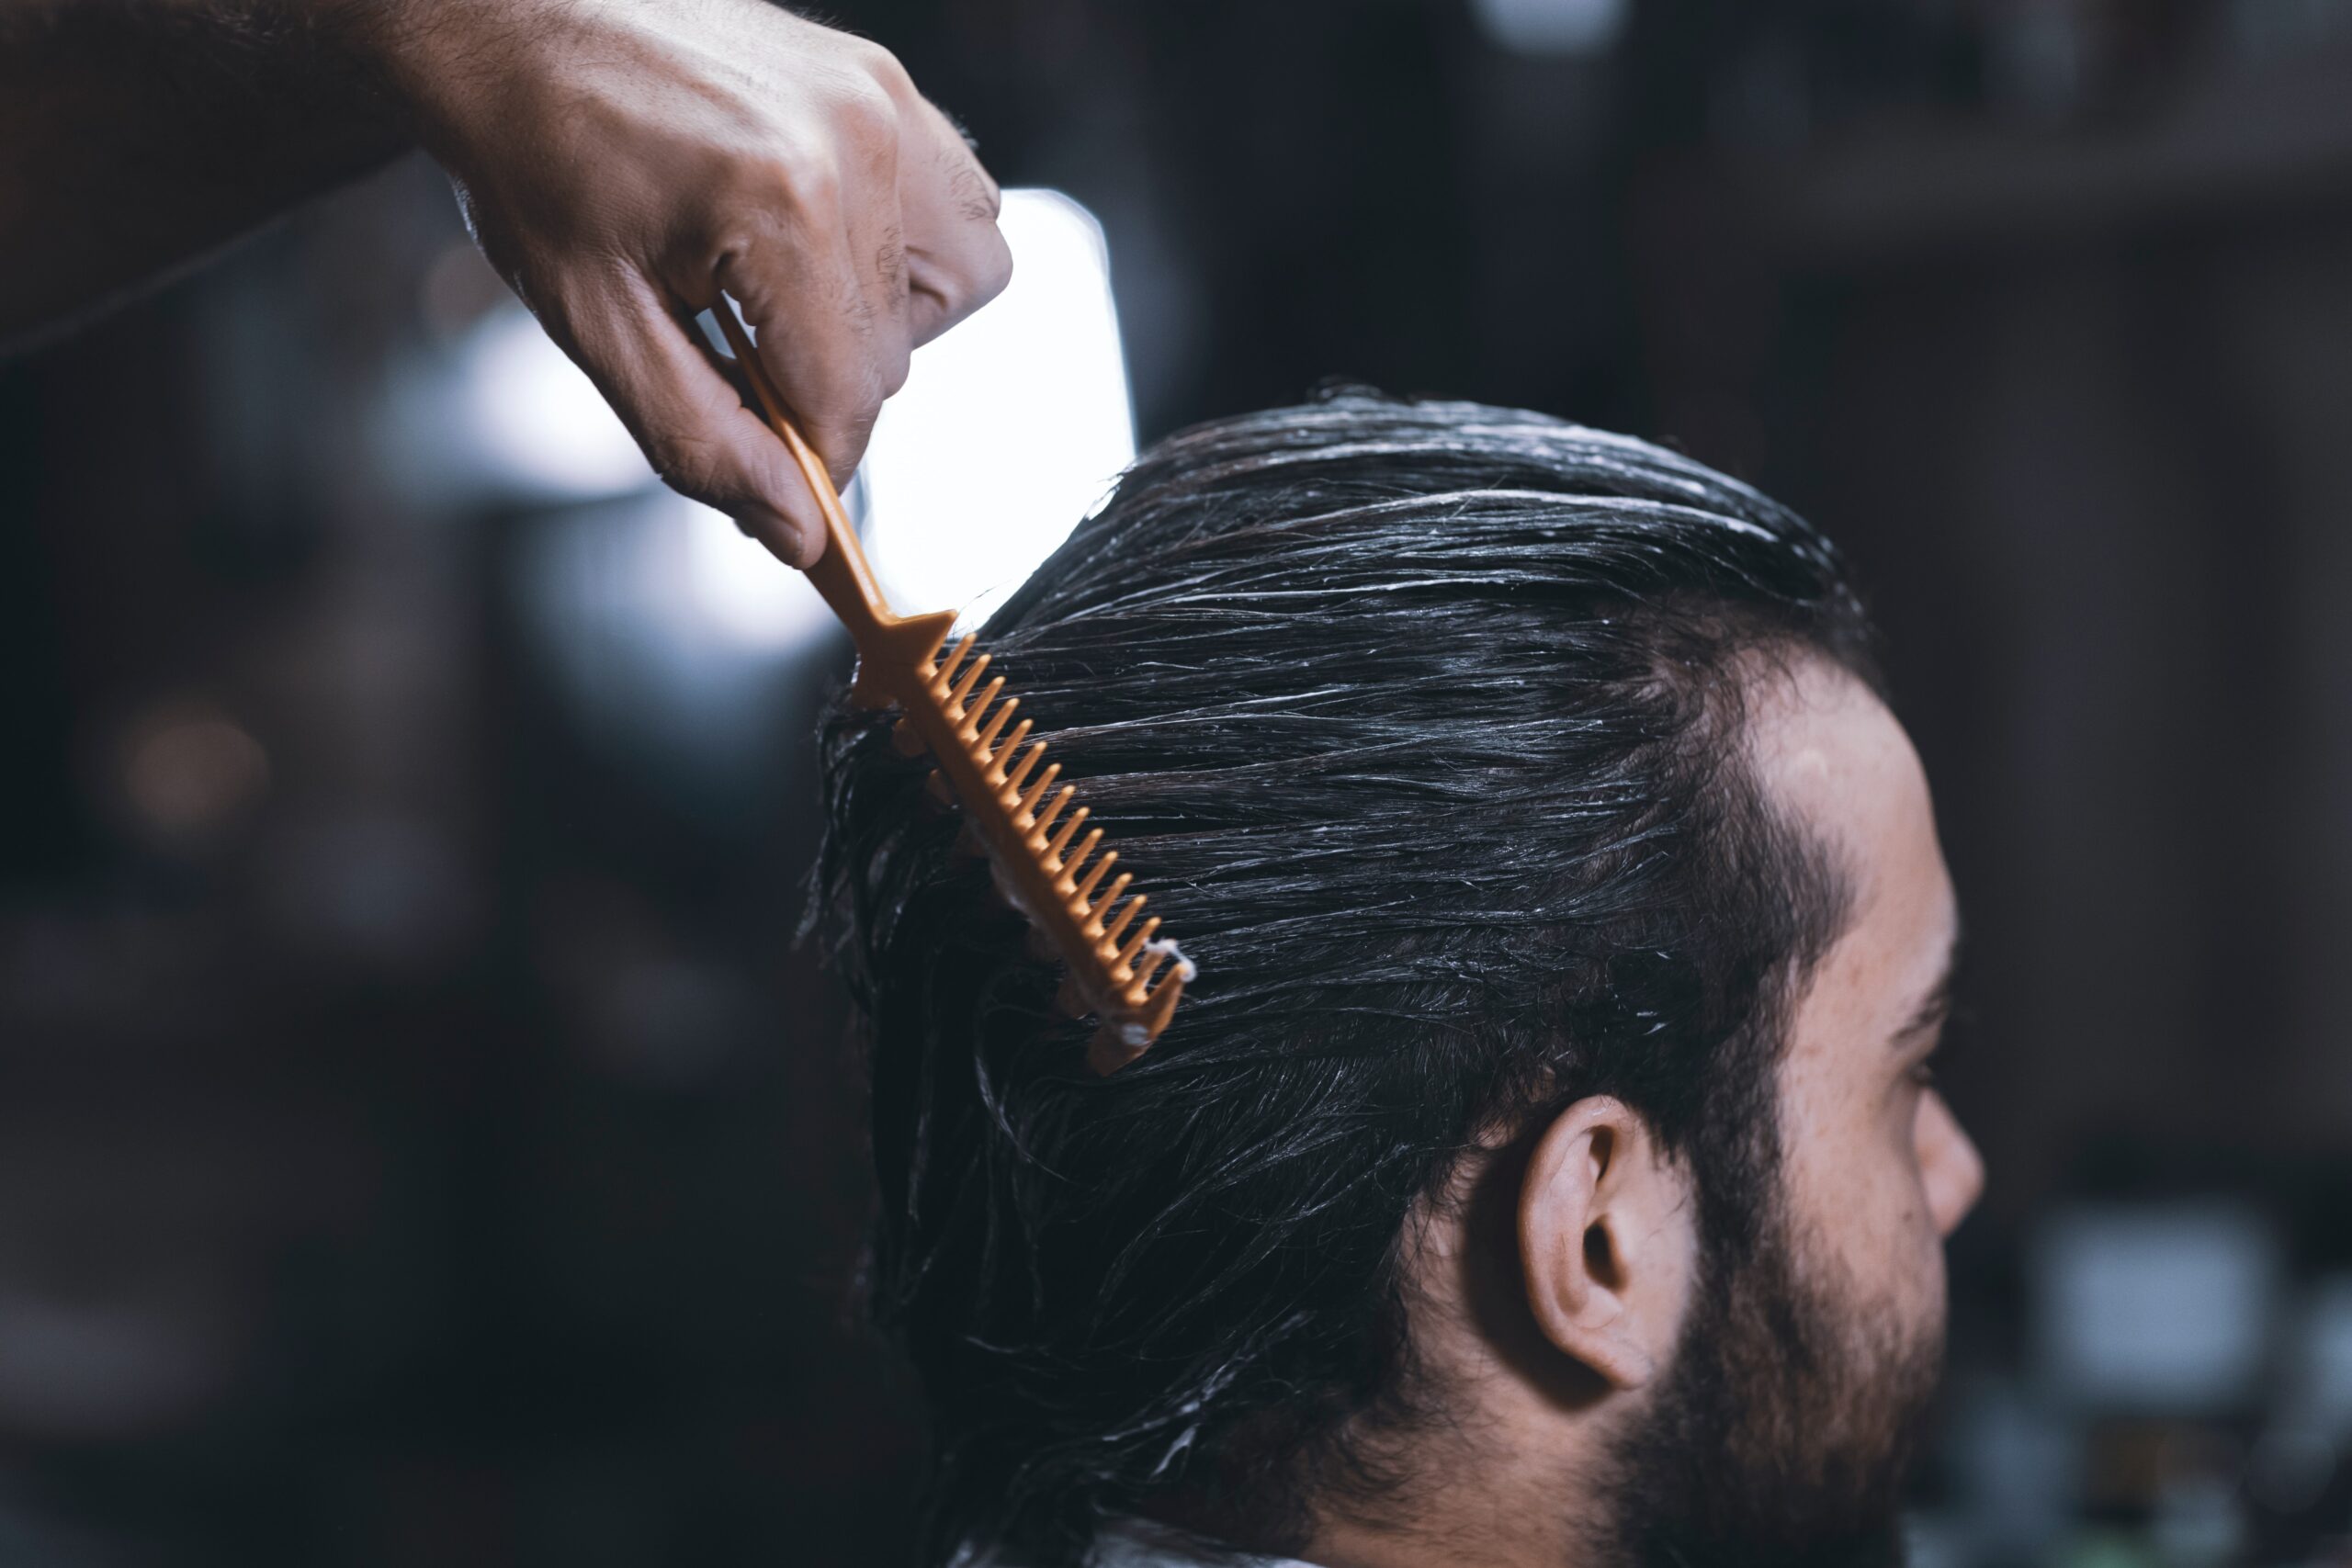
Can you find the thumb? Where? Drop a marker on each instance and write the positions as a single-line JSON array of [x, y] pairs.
[[690, 422]]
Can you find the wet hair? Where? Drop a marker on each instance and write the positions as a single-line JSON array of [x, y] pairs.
[[1421, 723]]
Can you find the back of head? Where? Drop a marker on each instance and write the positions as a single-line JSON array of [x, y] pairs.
[[1419, 723]]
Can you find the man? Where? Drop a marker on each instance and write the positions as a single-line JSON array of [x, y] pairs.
[[1543, 1167], [620, 162]]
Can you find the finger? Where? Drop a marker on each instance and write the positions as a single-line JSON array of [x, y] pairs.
[[689, 419], [824, 286], [957, 258]]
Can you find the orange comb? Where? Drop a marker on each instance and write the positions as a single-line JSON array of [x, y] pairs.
[[1050, 873]]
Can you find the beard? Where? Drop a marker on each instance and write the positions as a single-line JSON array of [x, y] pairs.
[[1783, 1430]]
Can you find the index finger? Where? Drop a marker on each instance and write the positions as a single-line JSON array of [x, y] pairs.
[[827, 295]]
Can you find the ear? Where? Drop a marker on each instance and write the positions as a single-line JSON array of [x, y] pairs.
[[1606, 1240]]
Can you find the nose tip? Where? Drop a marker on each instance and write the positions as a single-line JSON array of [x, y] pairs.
[[1956, 1169], [1971, 1182]]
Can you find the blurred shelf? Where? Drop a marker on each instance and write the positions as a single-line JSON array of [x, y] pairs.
[[2258, 140]]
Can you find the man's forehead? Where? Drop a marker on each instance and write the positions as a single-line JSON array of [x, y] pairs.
[[1831, 757]]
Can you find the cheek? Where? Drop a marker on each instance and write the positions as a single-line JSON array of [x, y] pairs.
[[1857, 1190]]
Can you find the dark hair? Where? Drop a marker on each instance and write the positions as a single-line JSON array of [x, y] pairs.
[[1419, 723]]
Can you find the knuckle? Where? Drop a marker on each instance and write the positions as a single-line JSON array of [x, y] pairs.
[[976, 197], [799, 180], [688, 464], [732, 237], [814, 182], [847, 402], [975, 279], [883, 68], [866, 111], [890, 265], [994, 267], [894, 372]]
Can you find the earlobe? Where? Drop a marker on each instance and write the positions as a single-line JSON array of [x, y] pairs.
[[1604, 1241]]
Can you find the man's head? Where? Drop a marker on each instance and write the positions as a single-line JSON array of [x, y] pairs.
[[1544, 1152]]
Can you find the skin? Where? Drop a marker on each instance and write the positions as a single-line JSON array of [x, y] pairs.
[[1552, 1314], [621, 161]]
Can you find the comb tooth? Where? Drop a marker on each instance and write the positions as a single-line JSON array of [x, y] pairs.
[[1053, 809], [1119, 922], [1020, 770], [1098, 908], [1068, 831], [907, 739], [1134, 942], [1153, 958], [932, 652], [1163, 1005], [1087, 846], [981, 705], [1017, 774], [1001, 755], [1038, 791], [947, 666], [964, 683]]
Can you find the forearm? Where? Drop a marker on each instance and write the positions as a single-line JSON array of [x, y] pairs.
[[623, 163], [136, 135]]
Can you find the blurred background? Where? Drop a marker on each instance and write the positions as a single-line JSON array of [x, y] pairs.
[[421, 1139]]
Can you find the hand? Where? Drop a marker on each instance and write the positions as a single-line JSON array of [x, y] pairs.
[[622, 163]]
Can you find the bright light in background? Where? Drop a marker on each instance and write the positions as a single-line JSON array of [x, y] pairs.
[[502, 412], [1552, 27], [745, 595], [673, 640], [1011, 427], [2156, 1308], [530, 405]]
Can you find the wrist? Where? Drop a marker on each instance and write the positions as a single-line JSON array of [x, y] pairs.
[[299, 56], [430, 61]]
